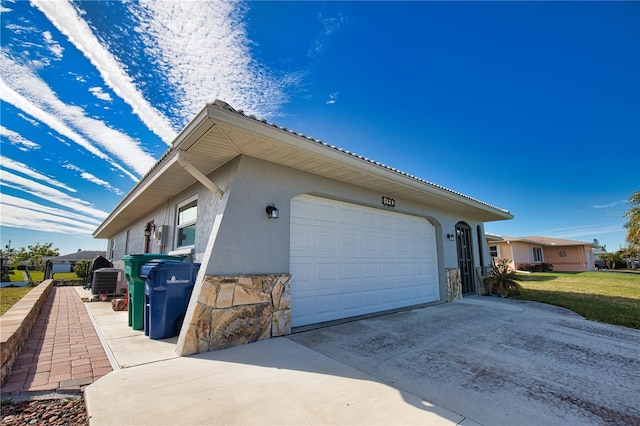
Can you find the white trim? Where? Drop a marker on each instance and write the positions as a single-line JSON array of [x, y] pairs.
[[181, 250], [178, 226]]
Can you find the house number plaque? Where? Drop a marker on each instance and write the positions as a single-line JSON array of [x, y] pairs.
[[388, 202]]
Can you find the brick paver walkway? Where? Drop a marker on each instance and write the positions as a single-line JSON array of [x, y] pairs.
[[63, 351]]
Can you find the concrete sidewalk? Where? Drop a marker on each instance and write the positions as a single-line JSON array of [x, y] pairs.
[[276, 381]]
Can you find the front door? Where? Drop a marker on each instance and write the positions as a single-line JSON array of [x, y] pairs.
[[465, 257]]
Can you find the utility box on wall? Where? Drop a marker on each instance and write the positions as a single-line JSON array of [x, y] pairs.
[[162, 235]]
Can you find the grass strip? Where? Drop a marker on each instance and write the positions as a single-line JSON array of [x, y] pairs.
[[608, 297]]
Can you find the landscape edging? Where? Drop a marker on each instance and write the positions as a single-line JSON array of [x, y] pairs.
[[16, 325]]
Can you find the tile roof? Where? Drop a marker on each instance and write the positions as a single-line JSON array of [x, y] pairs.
[[545, 241]]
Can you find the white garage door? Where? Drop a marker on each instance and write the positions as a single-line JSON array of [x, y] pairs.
[[349, 260]]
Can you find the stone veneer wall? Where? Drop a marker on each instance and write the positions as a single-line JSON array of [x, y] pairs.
[[454, 284], [232, 311], [481, 274]]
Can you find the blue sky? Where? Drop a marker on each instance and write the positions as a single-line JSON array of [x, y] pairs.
[[533, 107]]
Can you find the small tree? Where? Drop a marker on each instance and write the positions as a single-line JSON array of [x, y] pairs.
[[82, 268], [34, 254], [633, 221], [613, 258]]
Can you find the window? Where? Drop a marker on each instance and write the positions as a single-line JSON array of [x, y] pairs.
[[112, 249], [493, 251], [186, 226], [126, 242], [537, 254]]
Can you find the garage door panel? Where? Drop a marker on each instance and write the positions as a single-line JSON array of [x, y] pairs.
[[404, 293], [349, 260], [349, 216], [326, 303], [349, 271], [350, 301], [349, 243], [325, 242]]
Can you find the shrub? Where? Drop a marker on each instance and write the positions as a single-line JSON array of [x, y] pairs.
[[537, 267], [502, 279], [82, 268]]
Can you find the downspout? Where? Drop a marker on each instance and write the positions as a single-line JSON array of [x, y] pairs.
[[198, 174]]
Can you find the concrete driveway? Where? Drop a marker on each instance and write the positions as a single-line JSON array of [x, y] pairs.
[[497, 361]]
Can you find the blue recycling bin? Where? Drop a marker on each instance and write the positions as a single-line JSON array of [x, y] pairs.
[[135, 294], [168, 287]]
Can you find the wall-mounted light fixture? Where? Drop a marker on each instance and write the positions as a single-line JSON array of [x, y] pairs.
[[151, 227], [451, 237], [272, 212]]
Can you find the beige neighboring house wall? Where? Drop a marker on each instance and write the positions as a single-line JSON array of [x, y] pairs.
[[564, 255]]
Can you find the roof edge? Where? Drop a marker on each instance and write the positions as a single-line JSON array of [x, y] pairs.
[[225, 108]]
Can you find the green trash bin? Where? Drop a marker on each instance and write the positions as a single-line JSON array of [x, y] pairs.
[[132, 264]]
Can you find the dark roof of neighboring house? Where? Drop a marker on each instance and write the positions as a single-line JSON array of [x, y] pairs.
[[542, 241], [79, 255]]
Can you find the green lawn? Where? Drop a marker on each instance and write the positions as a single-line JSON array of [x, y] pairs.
[[609, 297], [16, 276], [10, 295]]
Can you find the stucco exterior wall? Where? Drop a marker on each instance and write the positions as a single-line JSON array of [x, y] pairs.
[[563, 258], [209, 206], [521, 253], [567, 258], [235, 237], [264, 247]]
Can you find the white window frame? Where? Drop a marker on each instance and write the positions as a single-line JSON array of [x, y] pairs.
[[537, 254], [112, 248], [179, 225], [127, 241], [497, 251]]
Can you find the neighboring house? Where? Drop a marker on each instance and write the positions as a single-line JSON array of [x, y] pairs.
[[65, 263], [291, 231], [564, 255]]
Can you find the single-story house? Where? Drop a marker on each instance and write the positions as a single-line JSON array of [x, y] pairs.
[[564, 255], [291, 231], [66, 262]]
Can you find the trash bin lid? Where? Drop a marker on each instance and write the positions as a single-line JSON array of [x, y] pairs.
[[144, 269], [103, 270]]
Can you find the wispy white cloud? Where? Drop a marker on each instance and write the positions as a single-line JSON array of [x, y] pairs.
[[330, 26], [582, 231], [609, 205], [333, 98], [89, 177], [20, 216], [33, 122], [99, 93], [64, 17], [27, 92], [48, 195], [17, 139], [22, 168], [203, 49], [53, 46]]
